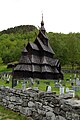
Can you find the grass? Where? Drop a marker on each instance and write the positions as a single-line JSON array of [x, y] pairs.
[[3, 68], [6, 114], [42, 85]]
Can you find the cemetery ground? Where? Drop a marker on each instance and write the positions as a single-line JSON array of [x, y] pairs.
[[42, 84]]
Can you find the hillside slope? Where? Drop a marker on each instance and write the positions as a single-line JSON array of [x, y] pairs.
[[19, 29]]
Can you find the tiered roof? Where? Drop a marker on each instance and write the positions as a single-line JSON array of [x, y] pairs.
[[37, 59]]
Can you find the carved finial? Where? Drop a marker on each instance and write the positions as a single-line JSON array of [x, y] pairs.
[[42, 29], [42, 22]]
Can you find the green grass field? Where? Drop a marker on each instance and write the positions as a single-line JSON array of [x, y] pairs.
[[6, 114], [3, 68]]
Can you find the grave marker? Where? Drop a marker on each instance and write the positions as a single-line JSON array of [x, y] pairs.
[[23, 87], [77, 82], [61, 90], [49, 89]]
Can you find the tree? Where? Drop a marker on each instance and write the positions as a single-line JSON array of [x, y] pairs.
[[72, 49], [1, 61]]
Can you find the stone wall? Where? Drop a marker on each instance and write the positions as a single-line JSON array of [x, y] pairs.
[[40, 105]]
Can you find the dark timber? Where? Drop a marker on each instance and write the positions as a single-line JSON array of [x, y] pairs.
[[37, 60]]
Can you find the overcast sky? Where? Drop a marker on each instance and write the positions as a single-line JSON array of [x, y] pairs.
[[59, 15]]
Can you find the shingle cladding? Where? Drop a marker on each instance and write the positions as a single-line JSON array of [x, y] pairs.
[[37, 60], [44, 47]]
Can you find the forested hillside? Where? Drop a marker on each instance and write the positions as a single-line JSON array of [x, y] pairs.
[[65, 46], [19, 29], [12, 42]]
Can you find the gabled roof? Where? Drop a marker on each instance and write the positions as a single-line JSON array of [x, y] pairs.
[[23, 67], [46, 68], [24, 50], [36, 68], [25, 59], [49, 61], [44, 36], [33, 46], [44, 47], [50, 48], [35, 59]]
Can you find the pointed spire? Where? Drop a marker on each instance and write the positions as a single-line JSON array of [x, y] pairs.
[[42, 25], [42, 22]]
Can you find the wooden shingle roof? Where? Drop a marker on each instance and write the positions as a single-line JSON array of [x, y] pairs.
[[23, 67], [24, 50], [33, 46], [35, 59], [36, 68], [44, 47], [49, 69], [49, 61], [24, 59]]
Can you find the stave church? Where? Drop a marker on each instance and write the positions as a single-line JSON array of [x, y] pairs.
[[37, 59]]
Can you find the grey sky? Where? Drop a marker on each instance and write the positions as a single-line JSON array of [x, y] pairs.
[[59, 15]]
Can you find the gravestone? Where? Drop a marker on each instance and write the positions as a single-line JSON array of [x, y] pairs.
[[77, 82], [73, 88], [57, 85], [61, 90], [75, 77], [72, 92], [17, 82], [23, 87], [36, 89], [73, 80], [31, 81], [4, 76], [14, 82], [70, 76], [49, 89], [76, 88], [7, 81], [67, 80], [67, 89]]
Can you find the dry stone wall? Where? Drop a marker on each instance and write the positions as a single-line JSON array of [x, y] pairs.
[[40, 105]]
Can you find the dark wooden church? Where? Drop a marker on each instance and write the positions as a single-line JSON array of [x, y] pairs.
[[37, 60]]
